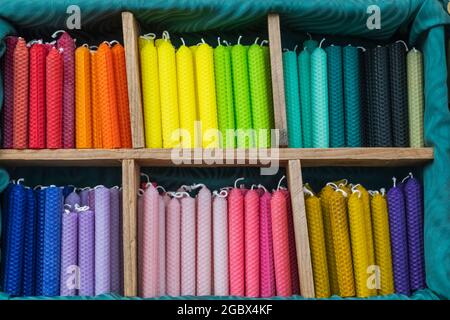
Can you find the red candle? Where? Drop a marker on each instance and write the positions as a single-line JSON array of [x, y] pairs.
[[38, 54], [236, 241], [20, 113], [251, 204], [54, 98]]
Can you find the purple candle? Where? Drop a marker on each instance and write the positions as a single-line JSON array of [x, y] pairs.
[[115, 240], [414, 222], [72, 199], [86, 243], [399, 244], [102, 240], [84, 197], [69, 253]]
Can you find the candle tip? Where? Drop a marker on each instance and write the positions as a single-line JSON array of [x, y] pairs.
[[279, 182], [239, 40], [55, 34], [237, 180]]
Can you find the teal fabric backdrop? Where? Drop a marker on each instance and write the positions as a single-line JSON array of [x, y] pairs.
[[420, 22]]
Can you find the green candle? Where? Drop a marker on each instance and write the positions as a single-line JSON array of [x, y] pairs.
[[304, 74], [259, 95], [319, 99], [292, 99], [414, 62], [224, 94], [269, 82], [241, 90]]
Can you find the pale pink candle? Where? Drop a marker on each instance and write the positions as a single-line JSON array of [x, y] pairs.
[[204, 248], [162, 247], [188, 281], [150, 238], [173, 248], [251, 221], [220, 244], [140, 223], [267, 265]]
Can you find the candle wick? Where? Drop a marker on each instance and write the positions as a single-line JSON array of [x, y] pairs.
[[218, 41], [160, 187], [55, 34], [239, 40], [237, 180], [394, 180], [256, 40], [309, 35], [146, 176], [279, 182], [307, 191], [263, 42], [320, 44]]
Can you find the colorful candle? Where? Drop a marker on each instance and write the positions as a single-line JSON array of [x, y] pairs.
[[20, 114], [36, 123], [8, 104], [54, 97], [310, 45], [414, 62], [267, 267], [69, 253], [29, 251], [102, 240], [83, 107], [97, 140], [173, 248], [186, 95], [236, 242], [115, 245], [162, 248], [40, 240], [251, 231], [220, 243], [204, 238], [319, 99], [292, 99], [304, 76], [188, 254], [86, 248]]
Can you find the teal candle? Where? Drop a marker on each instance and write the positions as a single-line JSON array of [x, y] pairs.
[[292, 99], [353, 128], [336, 96], [310, 45], [319, 99], [304, 75]]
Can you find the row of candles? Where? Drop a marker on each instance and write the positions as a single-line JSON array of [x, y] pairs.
[[225, 89], [61, 241], [59, 96], [354, 97], [365, 243], [235, 241]]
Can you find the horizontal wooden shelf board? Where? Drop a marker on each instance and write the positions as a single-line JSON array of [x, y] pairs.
[[218, 157]]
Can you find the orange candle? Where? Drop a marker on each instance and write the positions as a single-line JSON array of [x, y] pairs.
[[97, 141], [83, 108]]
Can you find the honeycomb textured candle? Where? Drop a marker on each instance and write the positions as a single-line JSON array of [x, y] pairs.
[[206, 91], [83, 107], [188, 247], [382, 243], [259, 95], [186, 95], [97, 140], [318, 248], [304, 76], [29, 250], [120, 79], [8, 104], [252, 258], [173, 248], [102, 240], [86, 248], [292, 99], [224, 94], [319, 99], [169, 94], [69, 252], [415, 97], [241, 91], [20, 114], [151, 96], [220, 249], [236, 241], [266, 246], [36, 123], [204, 238], [54, 98], [108, 98]]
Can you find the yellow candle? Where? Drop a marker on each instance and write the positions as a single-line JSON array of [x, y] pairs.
[[206, 91], [186, 95], [151, 96], [169, 94]]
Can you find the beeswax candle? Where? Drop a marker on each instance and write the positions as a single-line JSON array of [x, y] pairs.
[[169, 94], [269, 81], [151, 95], [97, 140], [162, 248], [107, 97], [242, 101], [310, 45], [220, 243], [188, 246], [267, 268], [319, 99], [8, 104], [206, 91], [36, 123], [415, 97], [204, 237], [224, 93], [259, 95], [292, 99], [86, 248], [83, 107], [317, 243], [29, 251], [120, 79], [102, 240], [39, 240], [54, 98], [69, 252], [236, 241], [67, 44], [304, 76], [252, 258], [186, 95], [20, 114], [173, 248], [384, 241]]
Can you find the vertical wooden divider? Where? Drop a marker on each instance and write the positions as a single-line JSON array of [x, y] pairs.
[[131, 38], [276, 63], [295, 182], [130, 187]]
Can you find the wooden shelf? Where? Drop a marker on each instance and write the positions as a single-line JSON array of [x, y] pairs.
[[366, 157]]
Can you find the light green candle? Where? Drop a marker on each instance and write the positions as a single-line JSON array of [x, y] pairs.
[[259, 95], [269, 83], [304, 75], [319, 99], [414, 62], [224, 95], [241, 91]]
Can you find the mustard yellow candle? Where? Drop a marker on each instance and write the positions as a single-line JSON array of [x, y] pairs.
[[186, 95], [169, 94], [206, 92], [150, 94]]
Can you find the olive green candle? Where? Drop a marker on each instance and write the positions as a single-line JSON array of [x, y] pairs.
[[414, 62]]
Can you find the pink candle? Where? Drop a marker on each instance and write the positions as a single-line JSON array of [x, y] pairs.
[[236, 241], [204, 237], [150, 238], [162, 247], [251, 205], [140, 222], [267, 265], [188, 280], [173, 248], [220, 242]]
